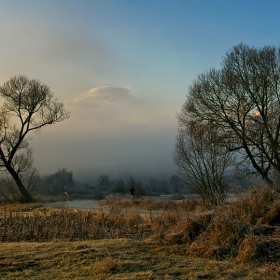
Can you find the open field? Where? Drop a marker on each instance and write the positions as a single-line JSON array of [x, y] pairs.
[[122, 259], [144, 239]]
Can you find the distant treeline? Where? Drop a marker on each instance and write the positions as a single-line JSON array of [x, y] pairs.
[[62, 182]]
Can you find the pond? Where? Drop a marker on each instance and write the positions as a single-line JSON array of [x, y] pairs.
[[82, 204]]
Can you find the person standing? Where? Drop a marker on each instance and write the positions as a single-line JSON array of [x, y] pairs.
[[132, 191]]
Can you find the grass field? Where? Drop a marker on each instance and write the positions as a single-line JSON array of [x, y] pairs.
[[118, 259], [171, 240]]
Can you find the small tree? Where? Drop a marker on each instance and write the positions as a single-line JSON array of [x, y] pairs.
[[57, 183], [104, 181], [176, 183], [28, 105], [156, 187], [119, 186], [202, 163]]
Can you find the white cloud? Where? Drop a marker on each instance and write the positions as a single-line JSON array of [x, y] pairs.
[[110, 110], [99, 97], [111, 130]]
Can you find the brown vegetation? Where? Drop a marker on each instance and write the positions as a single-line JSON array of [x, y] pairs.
[[243, 231]]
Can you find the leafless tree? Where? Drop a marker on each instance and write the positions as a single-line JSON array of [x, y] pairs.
[[58, 183], [241, 101], [104, 181], [28, 105], [202, 163], [9, 190], [176, 183], [29, 176]]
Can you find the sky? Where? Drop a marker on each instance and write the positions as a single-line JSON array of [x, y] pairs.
[[123, 69]]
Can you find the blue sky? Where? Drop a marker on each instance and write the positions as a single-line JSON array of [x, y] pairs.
[[122, 68]]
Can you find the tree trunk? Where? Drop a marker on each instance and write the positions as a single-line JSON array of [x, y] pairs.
[[25, 195], [267, 180]]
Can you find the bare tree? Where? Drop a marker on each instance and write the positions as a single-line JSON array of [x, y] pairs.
[[176, 183], [28, 105], [9, 190], [104, 181], [241, 102], [119, 186], [58, 183], [202, 163], [155, 186], [29, 176]]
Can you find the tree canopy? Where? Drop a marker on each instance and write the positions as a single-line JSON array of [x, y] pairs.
[[240, 102], [28, 105]]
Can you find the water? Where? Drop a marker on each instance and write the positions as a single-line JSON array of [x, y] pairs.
[[82, 204]]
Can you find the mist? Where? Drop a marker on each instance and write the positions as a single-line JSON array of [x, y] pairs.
[[110, 131]]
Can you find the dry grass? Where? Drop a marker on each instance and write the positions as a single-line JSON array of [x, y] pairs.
[[116, 259], [245, 233], [116, 201]]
